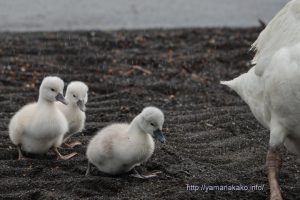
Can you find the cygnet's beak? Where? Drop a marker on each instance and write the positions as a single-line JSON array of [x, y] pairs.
[[81, 105], [158, 135], [61, 98]]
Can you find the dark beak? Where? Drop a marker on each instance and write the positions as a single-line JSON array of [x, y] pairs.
[[158, 135], [81, 105], [61, 98]]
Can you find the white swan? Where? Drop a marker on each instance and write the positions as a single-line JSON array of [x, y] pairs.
[[77, 97], [118, 148], [39, 126], [277, 40], [274, 99]]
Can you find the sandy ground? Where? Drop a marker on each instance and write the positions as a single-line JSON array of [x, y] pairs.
[[212, 137], [39, 15]]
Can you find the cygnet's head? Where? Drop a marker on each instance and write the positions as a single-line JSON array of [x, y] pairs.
[[51, 89], [77, 94], [151, 122]]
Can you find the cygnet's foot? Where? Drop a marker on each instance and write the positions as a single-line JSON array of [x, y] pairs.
[[145, 176], [72, 145], [62, 157], [22, 157], [67, 157]]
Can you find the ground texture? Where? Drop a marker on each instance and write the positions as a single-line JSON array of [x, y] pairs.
[[212, 137]]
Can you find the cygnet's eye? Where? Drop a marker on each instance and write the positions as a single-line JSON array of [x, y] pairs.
[[152, 124], [74, 95], [52, 89]]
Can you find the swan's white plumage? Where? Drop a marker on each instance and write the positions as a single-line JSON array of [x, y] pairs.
[[118, 148], [282, 31], [76, 91], [37, 127], [249, 88], [274, 98]]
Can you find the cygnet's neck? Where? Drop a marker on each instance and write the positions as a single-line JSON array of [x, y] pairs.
[[72, 106], [42, 101], [134, 125]]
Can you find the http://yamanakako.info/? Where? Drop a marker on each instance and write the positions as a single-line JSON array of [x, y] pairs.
[[207, 188]]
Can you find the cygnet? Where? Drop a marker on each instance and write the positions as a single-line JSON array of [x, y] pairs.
[[118, 148], [77, 97], [39, 126]]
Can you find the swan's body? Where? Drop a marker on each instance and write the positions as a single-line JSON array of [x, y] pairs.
[[274, 99], [76, 96], [118, 148], [271, 87], [249, 87], [37, 127]]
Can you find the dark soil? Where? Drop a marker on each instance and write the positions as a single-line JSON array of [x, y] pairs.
[[212, 137]]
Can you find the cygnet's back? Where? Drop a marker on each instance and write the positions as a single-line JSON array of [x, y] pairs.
[[19, 122], [105, 145]]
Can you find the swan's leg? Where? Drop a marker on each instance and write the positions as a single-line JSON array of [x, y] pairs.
[[144, 176], [88, 170], [66, 157], [273, 164], [278, 135]]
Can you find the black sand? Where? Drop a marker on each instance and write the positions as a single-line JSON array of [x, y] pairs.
[[212, 137]]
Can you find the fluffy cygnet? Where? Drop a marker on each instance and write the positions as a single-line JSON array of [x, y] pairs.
[[39, 126], [118, 148], [77, 97]]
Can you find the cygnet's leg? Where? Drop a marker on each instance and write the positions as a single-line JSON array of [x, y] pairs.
[[66, 157], [143, 176], [273, 164], [88, 170], [70, 145], [21, 156]]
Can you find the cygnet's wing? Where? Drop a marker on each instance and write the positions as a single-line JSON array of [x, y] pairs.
[[102, 150], [20, 122]]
